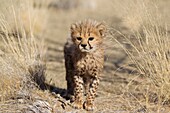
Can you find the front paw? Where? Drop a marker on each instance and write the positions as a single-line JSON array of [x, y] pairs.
[[77, 104], [88, 106]]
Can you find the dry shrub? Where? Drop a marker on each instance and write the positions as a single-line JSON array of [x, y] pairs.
[[150, 54], [23, 58], [22, 55]]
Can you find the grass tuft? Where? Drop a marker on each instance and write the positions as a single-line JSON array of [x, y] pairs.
[[150, 42], [22, 56]]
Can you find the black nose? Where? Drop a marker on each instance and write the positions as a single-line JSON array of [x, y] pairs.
[[83, 45]]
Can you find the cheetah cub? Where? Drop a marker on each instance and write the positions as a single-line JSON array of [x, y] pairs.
[[84, 58]]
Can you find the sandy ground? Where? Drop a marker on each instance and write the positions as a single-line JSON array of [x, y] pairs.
[[116, 70], [119, 75]]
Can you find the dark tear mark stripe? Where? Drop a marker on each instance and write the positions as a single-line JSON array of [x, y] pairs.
[[79, 45], [89, 45]]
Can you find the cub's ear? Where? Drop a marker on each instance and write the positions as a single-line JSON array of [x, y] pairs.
[[102, 29], [73, 27]]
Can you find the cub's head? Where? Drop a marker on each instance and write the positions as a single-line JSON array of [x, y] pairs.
[[88, 35]]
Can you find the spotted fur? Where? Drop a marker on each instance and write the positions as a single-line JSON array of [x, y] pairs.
[[84, 58]]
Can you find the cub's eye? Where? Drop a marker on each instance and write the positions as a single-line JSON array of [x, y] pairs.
[[91, 38], [79, 38]]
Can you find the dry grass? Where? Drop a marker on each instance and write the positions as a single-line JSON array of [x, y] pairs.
[[23, 17], [150, 43], [23, 57], [122, 89]]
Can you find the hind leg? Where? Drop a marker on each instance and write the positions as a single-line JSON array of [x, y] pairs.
[[69, 74], [70, 86]]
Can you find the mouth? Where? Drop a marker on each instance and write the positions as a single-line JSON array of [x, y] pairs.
[[86, 50]]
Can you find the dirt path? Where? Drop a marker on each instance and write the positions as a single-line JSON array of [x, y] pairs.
[[114, 78]]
